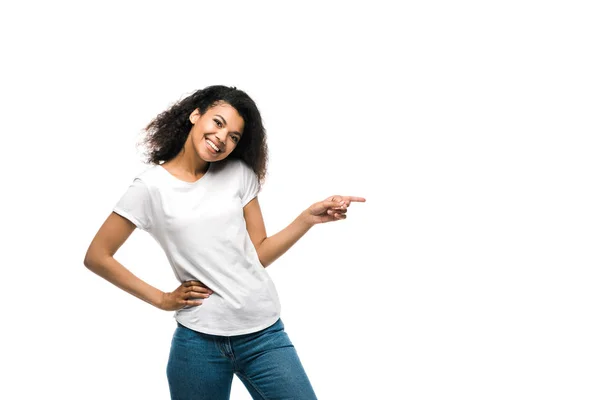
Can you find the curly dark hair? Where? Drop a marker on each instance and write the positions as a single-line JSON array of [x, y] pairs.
[[167, 133]]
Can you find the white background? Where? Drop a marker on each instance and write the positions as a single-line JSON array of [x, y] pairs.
[[470, 127]]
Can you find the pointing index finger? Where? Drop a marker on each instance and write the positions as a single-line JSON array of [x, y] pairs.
[[355, 198]]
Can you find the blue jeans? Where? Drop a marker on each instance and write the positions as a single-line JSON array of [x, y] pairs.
[[201, 366]]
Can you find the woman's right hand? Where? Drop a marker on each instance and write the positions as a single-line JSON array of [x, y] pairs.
[[185, 295]]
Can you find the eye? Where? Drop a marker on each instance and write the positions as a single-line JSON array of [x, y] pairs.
[[219, 123], [235, 139]]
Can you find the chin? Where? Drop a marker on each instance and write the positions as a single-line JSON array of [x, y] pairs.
[[212, 157]]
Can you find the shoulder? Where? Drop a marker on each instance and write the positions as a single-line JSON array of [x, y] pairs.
[[246, 172], [245, 168], [150, 176]]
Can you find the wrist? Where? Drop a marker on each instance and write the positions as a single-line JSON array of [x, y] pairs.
[[159, 300], [306, 219]]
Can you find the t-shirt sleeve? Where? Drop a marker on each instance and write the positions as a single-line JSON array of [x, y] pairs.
[[250, 186], [135, 205]]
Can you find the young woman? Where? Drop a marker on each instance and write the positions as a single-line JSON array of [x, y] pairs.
[[199, 201]]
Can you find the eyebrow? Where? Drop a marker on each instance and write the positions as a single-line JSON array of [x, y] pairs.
[[225, 122]]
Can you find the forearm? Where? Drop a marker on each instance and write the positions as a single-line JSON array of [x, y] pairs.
[[114, 272], [276, 245]]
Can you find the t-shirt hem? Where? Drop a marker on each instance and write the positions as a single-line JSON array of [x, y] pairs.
[[232, 333], [245, 202], [129, 217]]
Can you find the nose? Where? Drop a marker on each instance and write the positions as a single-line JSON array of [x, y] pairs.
[[221, 135]]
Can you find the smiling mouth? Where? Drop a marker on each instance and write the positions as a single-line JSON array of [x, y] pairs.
[[212, 145]]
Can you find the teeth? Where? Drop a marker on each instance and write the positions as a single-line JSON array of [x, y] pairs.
[[212, 145]]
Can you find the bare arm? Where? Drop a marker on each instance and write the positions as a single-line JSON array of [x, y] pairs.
[[99, 259], [271, 248]]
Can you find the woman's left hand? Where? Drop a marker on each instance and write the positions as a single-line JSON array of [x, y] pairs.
[[333, 208]]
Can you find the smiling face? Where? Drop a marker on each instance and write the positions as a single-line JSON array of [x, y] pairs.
[[216, 133]]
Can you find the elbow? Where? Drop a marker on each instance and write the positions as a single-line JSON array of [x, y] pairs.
[[90, 260], [87, 259]]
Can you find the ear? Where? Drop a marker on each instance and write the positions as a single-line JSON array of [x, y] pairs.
[[194, 116]]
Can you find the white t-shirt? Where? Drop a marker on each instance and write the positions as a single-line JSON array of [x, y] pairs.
[[202, 230]]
